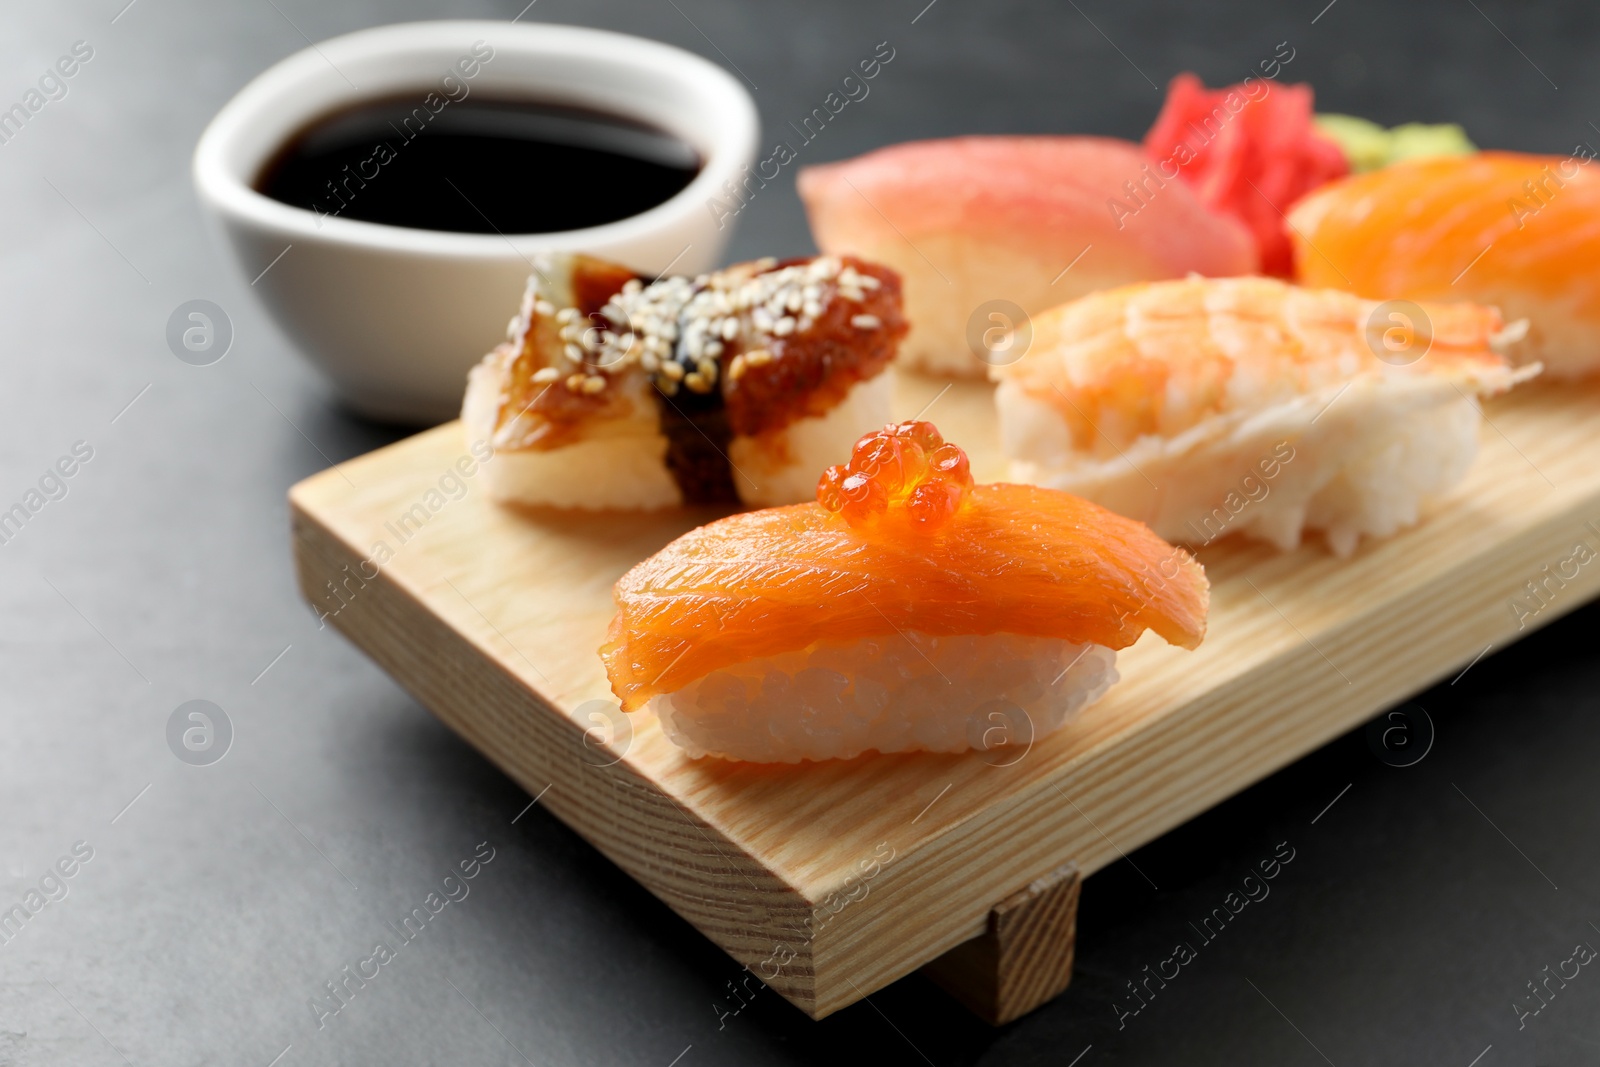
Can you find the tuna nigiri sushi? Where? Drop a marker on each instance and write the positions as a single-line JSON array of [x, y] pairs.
[[1521, 232], [1031, 221], [1208, 407], [736, 386], [904, 609]]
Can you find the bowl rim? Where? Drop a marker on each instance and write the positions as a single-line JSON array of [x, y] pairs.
[[732, 123]]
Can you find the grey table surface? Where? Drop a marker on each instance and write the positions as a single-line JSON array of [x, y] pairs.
[[218, 900]]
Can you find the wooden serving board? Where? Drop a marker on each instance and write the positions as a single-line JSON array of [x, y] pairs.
[[832, 880]]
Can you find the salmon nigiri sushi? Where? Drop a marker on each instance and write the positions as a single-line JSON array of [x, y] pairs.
[[905, 609], [975, 223], [1209, 407], [1521, 232]]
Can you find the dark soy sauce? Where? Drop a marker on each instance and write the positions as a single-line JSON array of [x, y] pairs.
[[478, 166]]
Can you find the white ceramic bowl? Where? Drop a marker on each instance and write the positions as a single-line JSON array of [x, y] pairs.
[[393, 316]]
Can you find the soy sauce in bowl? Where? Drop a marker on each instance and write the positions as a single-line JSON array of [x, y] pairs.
[[478, 166]]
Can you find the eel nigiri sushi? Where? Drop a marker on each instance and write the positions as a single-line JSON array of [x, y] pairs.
[[736, 386], [904, 609], [1521, 232], [1215, 406], [1032, 221]]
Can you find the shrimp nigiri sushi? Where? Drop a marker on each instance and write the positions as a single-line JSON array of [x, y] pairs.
[[1521, 232], [970, 222], [904, 609], [732, 387], [1208, 407]]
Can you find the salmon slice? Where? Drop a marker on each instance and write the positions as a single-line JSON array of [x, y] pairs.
[[1521, 232], [1000, 559]]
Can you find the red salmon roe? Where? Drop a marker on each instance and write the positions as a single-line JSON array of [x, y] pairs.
[[906, 469]]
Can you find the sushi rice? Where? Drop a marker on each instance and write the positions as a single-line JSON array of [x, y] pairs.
[[1362, 460], [898, 693], [621, 462]]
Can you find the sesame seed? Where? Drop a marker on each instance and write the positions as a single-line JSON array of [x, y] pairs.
[[677, 329], [865, 322], [594, 384], [575, 382], [546, 374], [867, 281], [544, 307]]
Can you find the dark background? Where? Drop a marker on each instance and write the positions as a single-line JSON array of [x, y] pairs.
[[223, 898]]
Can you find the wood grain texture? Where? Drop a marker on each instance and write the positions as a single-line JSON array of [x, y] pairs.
[[1024, 958], [833, 880]]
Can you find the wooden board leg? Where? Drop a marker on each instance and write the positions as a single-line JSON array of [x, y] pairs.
[[1025, 957]]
